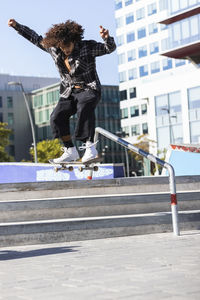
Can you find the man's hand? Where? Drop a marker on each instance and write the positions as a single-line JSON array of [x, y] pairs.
[[104, 33], [12, 22]]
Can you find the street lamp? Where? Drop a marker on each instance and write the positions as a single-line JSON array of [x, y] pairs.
[[122, 134], [170, 124], [29, 114]]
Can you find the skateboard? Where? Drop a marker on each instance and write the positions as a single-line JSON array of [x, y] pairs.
[[89, 165]]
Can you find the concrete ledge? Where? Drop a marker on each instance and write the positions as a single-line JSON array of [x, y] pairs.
[[92, 206], [96, 187], [92, 228]]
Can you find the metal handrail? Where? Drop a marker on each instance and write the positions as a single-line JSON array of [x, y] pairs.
[[172, 182]]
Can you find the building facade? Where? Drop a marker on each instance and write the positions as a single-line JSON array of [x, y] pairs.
[[13, 111], [159, 94], [107, 117]]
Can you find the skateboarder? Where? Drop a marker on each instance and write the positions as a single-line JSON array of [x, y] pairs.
[[80, 88]]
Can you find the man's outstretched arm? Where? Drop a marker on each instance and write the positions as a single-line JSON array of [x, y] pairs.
[[27, 33], [98, 49]]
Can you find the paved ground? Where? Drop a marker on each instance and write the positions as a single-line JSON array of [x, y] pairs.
[[158, 266]]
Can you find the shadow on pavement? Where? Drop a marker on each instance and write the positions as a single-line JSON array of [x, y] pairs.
[[10, 255]]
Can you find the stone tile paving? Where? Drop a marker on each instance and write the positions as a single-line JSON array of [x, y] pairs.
[[155, 266]]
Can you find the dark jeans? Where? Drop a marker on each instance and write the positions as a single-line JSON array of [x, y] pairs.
[[82, 103]]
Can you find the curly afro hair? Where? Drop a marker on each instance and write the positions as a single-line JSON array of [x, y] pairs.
[[63, 33]]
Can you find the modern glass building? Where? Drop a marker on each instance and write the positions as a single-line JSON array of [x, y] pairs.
[[183, 21], [107, 117], [159, 91], [13, 111]]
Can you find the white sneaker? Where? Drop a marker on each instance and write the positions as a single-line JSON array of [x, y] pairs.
[[90, 151], [70, 154]]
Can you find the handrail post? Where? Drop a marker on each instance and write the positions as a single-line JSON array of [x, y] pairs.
[[156, 160], [174, 207]]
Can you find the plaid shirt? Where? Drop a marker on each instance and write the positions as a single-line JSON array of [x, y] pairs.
[[81, 60]]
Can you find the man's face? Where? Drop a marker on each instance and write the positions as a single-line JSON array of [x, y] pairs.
[[68, 48]]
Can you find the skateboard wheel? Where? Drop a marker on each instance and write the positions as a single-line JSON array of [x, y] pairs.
[[70, 168], [96, 168], [81, 169]]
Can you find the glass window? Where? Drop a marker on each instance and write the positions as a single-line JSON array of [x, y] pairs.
[[145, 128], [129, 18], [185, 27], [124, 113], [132, 93], [121, 58], [10, 119], [163, 137], [163, 27], [130, 37], [132, 74], [119, 22], [120, 40], [123, 95], [142, 51], [194, 26], [151, 9], [118, 4], [125, 130], [131, 54], [9, 102], [144, 109], [175, 102], [134, 111], [192, 2], [1, 117], [174, 6], [140, 13], [141, 32], [153, 28], [40, 116], [177, 134], [194, 97], [52, 97], [165, 44], [135, 129], [176, 33], [161, 102], [38, 101], [168, 104], [122, 76], [154, 47], [143, 70], [128, 2], [167, 64], [179, 62], [183, 4], [11, 149], [155, 67], [194, 132], [1, 102], [163, 4]]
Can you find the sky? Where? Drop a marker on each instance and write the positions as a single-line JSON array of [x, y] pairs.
[[20, 57]]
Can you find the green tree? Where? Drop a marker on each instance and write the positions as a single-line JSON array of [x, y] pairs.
[[4, 141], [46, 150], [143, 142]]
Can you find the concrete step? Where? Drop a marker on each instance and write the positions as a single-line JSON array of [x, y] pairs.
[[66, 230], [152, 184], [93, 206]]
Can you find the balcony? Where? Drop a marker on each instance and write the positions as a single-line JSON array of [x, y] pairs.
[[180, 16]]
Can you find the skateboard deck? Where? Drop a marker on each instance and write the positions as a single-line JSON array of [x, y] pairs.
[[88, 165]]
